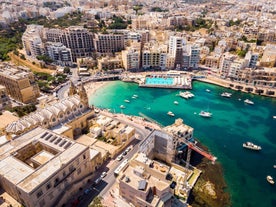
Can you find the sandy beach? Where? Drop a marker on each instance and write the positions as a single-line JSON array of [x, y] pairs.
[[92, 87]]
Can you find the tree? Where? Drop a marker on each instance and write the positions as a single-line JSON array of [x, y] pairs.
[[66, 70], [97, 202]]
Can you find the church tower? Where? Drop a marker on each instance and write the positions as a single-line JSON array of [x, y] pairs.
[[83, 95], [72, 89]]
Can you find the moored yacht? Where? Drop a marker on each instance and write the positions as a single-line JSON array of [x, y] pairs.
[[186, 94], [127, 101], [208, 90], [270, 179], [225, 94], [122, 107], [175, 102], [250, 145], [247, 101], [205, 114], [170, 113]]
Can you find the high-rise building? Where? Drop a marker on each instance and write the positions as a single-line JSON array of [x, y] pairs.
[[59, 53], [19, 82], [131, 57], [176, 48], [194, 53], [251, 59], [79, 40], [109, 43]]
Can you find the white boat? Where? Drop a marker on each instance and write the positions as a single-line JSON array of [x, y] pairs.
[[127, 101], [274, 166], [175, 102], [207, 90], [122, 107], [170, 113], [134, 95], [205, 114], [248, 101], [270, 179], [227, 95], [274, 117], [186, 94], [250, 145]]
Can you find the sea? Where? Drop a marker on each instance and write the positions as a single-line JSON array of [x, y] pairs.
[[233, 123]]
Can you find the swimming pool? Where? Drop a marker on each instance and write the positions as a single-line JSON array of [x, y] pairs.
[[159, 81]]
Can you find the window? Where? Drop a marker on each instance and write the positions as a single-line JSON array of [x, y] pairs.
[[39, 193], [48, 186], [84, 157]]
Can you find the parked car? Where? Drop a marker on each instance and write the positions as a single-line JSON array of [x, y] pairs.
[[120, 157], [98, 180], [103, 174], [129, 148]]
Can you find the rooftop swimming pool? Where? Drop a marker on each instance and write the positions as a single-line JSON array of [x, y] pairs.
[[159, 81]]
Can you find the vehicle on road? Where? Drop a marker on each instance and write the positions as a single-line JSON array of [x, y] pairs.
[[120, 157], [129, 148], [103, 174], [98, 180]]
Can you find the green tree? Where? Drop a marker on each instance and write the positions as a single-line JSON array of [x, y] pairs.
[[97, 202]]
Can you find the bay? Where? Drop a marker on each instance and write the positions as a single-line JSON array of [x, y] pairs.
[[232, 124]]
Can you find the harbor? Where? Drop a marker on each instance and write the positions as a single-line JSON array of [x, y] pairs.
[[223, 134]]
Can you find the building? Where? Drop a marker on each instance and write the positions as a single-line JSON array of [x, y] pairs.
[[235, 67], [79, 40], [269, 56], [154, 56], [109, 63], [109, 43], [225, 63], [194, 53], [251, 59], [131, 56], [4, 98], [19, 82], [176, 46], [68, 116], [212, 62], [32, 41], [41, 168], [59, 53], [144, 183]]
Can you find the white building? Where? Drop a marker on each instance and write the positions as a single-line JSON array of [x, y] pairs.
[[59, 53]]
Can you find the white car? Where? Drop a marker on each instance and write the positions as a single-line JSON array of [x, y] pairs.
[[120, 157], [128, 149], [103, 174]]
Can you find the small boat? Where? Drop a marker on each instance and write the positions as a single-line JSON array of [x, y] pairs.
[[175, 102], [274, 117], [205, 114], [134, 95], [270, 179], [207, 90], [247, 101], [274, 166], [227, 95], [122, 107], [170, 113], [250, 145], [127, 101], [186, 94]]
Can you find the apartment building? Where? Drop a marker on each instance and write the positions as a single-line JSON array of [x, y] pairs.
[[41, 168], [194, 53], [176, 44], [235, 67], [109, 43], [144, 183], [4, 98], [212, 62], [79, 40], [59, 53], [269, 56], [32, 41], [154, 56], [251, 59], [131, 56], [19, 82], [139, 23], [225, 63]]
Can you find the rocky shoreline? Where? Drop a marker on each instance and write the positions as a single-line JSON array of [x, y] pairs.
[[210, 189]]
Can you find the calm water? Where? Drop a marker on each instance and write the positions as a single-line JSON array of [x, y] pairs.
[[233, 123]]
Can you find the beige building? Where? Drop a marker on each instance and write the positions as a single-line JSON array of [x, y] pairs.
[[109, 43], [68, 116], [41, 168], [131, 56], [212, 62], [109, 63], [19, 82], [143, 183], [4, 98]]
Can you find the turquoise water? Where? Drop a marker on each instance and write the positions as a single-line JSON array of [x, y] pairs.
[[159, 81], [233, 123]]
